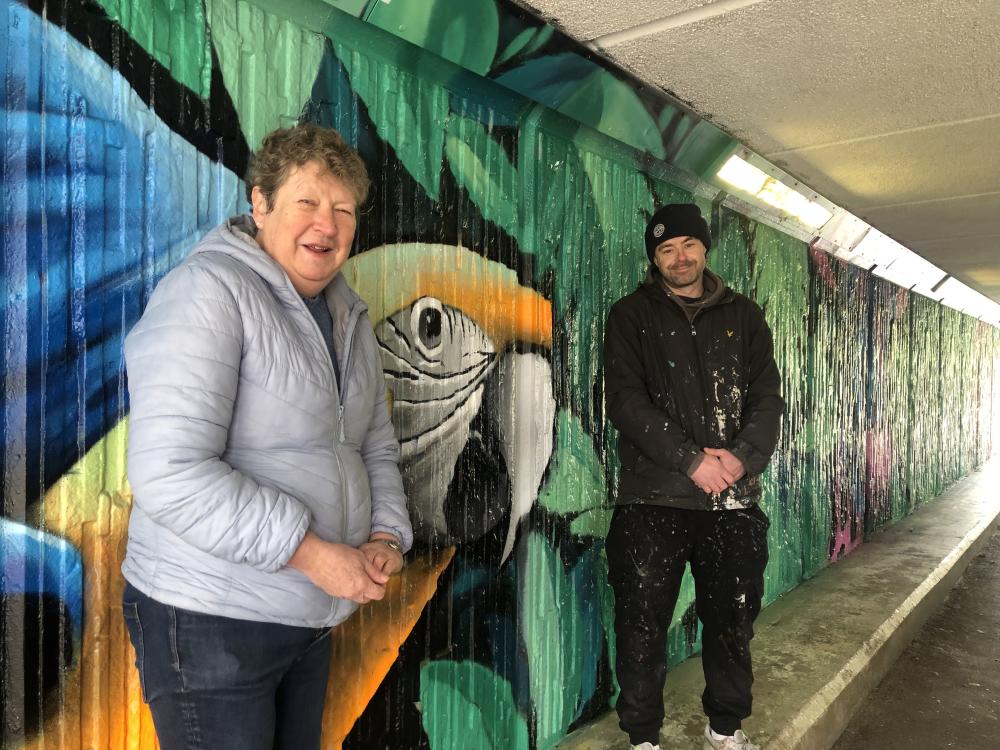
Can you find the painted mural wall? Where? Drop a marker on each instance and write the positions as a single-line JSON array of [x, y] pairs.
[[513, 175]]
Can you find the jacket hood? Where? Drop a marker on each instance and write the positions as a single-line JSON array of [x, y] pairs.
[[715, 287], [235, 237]]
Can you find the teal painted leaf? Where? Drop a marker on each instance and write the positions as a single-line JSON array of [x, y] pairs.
[[525, 43], [613, 108], [593, 523], [409, 112], [701, 149], [516, 45], [576, 481], [552, 629], [623, 203], [260, 51], [480, 165], [608, 617], [463, 31], [544, 34], [554, 204], [173, 32], [465, 706], [587, 580], [691, 143], [730, 256]]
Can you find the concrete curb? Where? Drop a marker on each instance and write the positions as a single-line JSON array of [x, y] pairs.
[[823, 719]]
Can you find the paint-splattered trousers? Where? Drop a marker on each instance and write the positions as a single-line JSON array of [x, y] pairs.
[[217, 683], [648, 547]]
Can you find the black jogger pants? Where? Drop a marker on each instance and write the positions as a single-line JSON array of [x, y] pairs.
[[648, 547]]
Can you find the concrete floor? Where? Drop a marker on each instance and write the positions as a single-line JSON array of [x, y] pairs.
[[944, 691]]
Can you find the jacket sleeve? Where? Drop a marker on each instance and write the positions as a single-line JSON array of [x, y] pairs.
[[629, 406], [755, 442], [380, 453], [183, 362]]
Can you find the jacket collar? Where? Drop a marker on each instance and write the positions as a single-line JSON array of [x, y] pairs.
[[717, 293]]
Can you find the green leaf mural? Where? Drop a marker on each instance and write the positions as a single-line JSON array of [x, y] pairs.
[[542, 35], [576, 479], [480, 165], [873, 427], [691, 143], [268, 64], [593, 523], [554, 205], [779, 282], [525, 43], [612, 107], [517, 44], [462, 31], [173, 33], [730, 253], [465, 706], [585, 215], [552, 637], [409, 112], [608, 619]]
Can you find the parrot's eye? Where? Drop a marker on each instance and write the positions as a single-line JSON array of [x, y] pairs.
[[426, 319]]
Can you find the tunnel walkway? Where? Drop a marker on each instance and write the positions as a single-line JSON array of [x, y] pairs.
[[944, 691], [816, 665]]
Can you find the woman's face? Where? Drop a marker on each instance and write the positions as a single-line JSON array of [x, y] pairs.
[[310, 228]]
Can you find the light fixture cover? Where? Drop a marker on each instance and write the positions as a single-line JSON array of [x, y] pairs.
[[744, 176]]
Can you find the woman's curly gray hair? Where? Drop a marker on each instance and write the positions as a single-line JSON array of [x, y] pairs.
[[286, 148]]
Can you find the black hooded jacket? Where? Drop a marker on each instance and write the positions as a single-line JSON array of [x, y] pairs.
[[679, 378]]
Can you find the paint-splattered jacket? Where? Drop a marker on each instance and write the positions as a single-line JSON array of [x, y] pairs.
[[675, 385]]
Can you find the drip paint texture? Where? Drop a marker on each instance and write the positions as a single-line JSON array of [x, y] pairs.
[[512, 179]]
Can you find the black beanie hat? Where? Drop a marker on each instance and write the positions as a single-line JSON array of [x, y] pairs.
[[676, 220]]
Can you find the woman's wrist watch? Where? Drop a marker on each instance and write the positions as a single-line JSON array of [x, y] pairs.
[[391, 544]]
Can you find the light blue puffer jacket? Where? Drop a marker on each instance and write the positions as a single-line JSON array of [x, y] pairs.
[[239, 440]]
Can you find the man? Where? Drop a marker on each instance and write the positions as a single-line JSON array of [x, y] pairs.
[[693, 389]]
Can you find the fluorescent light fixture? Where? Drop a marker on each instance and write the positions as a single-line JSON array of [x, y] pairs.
[[815, 215], [743, 175], [853, 240]]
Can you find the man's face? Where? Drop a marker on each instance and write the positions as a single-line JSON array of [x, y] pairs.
[[681, 260], [310, 228]]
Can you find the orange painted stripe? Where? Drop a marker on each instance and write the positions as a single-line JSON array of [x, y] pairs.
[[367, 644]]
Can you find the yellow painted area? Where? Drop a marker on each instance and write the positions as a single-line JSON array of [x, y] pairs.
[[102, 702], [392, 277], [367, 645]]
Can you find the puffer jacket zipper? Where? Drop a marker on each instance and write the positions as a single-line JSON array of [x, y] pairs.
[[358, 308]]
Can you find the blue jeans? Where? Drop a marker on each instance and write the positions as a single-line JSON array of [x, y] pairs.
[[216, 683]]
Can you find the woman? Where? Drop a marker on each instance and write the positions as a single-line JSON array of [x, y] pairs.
[[267, 499]]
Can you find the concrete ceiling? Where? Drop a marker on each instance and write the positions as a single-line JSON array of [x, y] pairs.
[[888, 108]]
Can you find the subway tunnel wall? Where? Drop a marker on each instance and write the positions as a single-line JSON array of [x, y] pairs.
[[512, 179]]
